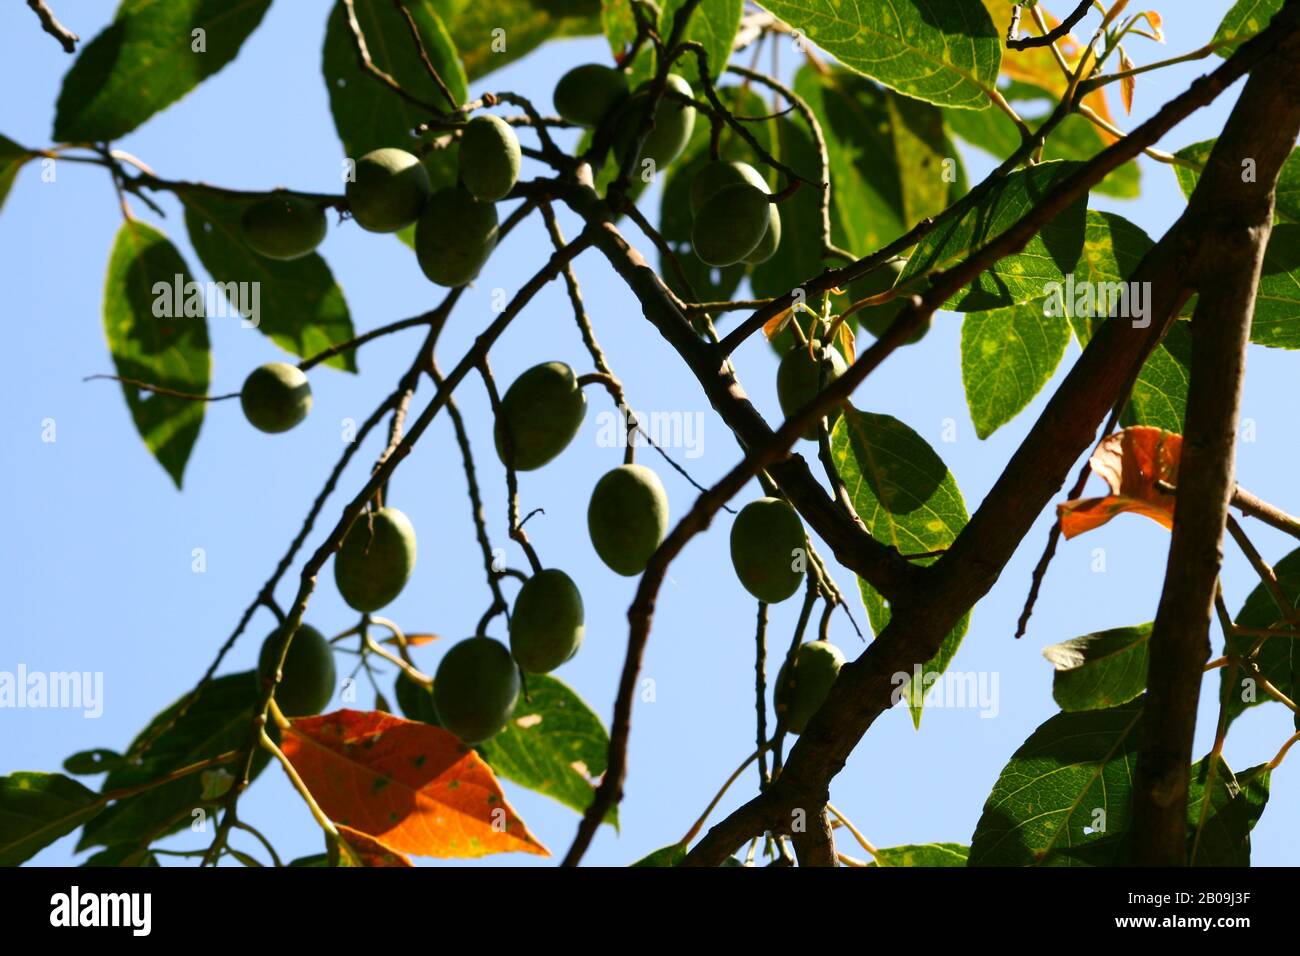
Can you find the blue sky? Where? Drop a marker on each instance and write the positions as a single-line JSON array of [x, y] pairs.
[[97, 559]]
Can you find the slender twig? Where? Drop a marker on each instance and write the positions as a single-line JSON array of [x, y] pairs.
[[51, 25], [760, 695], [1062, 29], [162, 390]]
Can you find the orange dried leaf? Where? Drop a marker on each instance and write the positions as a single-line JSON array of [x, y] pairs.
[[1128, 85], [776, 323], [413, 640], [1132, 462], [848, 344], [411, 785], [361, 849]]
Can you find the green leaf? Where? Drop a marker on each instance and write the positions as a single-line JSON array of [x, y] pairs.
[[1276, 322], [12, 157], [668, 856], [1246, 19], [713, 25], [38, 808], [675, 218], [491, 33], [150, 56], [1112, 249], [1046, 802], [124, 854], [1222, 809], [1159, 395], [1022, 276], [1192, 160], [1007, 356], [316, 859], [169, 350], [1279, 657], [923, 854], [298, 303], [367, 114], [886, 155], [90, 762], [1100, 670], [218, 721], [554, 744], [908, 500], [944, 53]]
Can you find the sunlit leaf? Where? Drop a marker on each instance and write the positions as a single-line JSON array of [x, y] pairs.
[[1134, 463]]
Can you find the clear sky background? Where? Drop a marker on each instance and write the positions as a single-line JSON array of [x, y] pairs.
[[95, 563]]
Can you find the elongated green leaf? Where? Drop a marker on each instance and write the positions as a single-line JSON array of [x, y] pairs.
[[1276, 322], [157, 334], [217, 722], [367, 114], [1246, 19], [297, 302], [1192, 163], [675, 218], [38, 808], [907, 499], [1222, 809], [1069, 785], [1100, 670], [150, 56], [713, 26], [491, 33], [554, 744], [934, 50], [12, 157], [668, 856], [1159, 395], [923, 854], [1007, 356], [1278, 658], [1020, 277], [886, 155]]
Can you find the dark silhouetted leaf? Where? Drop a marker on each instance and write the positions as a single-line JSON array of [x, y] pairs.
[[38, 808], [1100, 670]]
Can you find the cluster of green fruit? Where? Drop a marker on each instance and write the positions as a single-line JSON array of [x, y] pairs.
[[455, 227]]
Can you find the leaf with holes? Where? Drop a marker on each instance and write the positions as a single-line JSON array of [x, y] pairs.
[[1070, 779], [412, 786], [297, 302], [1133, 463], [907, 499], [934, 50], [150, 56], [1100, 670], [158, 335]]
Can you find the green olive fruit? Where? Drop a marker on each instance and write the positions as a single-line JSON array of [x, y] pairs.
[[673, 124], [767, 246], [489, 157], [586, 94], [376, 559], [540, 413], [389, 188], [275, 397], [627, 517], [476, 688], [454, 236], [415, 700], [716, 174], [764, 540], [730, 224], [802, 691], [877, 319], [546, 625], [799, 379], [283, 227], [307, 677]]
